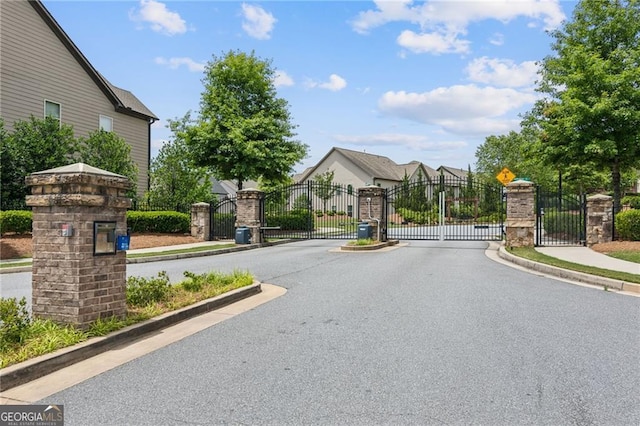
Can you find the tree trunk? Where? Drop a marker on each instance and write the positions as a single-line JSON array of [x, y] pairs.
[[239, 184]]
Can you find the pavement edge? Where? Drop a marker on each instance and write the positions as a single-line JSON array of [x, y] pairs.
[[567, 274], [35, 368]]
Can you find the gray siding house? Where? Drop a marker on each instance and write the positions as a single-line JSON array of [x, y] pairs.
[[42, 72]]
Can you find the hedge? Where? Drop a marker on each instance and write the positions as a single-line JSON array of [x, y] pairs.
[[161, 222], [18, 221], [628, 225], [294, 221]]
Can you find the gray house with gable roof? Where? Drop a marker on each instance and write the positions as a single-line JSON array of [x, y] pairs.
[[43, 73]]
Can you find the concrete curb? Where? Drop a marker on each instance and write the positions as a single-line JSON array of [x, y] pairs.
[[32, 369], [567, 274]]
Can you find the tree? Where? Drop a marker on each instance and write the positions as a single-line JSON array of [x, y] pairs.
[[590, 114], [244, 131], [174, 178], [324, 188], [108, 151], [517, 152], [35, 145]]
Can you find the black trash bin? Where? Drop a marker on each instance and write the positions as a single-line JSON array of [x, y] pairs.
[[243, 235], [364, 231]]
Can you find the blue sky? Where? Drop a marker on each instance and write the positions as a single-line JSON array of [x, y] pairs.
[[425, 81]]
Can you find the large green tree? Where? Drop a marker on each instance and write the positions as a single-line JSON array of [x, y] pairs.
[[244, 131], [324, 188], [590, 113], [174, 178], [33, 146]]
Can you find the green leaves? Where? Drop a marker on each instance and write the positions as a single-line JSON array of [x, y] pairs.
[[244, 131]]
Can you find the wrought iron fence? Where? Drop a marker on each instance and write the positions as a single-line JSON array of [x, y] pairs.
[[560, 218]]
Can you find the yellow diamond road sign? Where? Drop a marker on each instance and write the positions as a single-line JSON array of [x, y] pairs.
[[505, 176]]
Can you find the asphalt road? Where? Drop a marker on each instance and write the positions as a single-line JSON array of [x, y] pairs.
[[432, 333]]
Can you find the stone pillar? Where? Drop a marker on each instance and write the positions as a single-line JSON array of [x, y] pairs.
[[201, 221], [599, 219], [248, 212], [372, 209], [521, 214], [77, 279]]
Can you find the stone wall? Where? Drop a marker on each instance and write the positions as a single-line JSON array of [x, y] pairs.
[[599, 219], [521, 214], [371, 206], [71, 284], [201, 221]]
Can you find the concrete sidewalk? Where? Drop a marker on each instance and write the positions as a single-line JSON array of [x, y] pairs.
[[586, 256]]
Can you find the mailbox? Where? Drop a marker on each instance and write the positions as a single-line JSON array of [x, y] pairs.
[[364, 231], [104, 238], [122, 242]]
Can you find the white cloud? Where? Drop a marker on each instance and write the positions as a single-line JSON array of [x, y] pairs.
[[459, 109], [258, 23], [335, 83], [497, 39], [415, 142], [160, 18], [436, 43], [282, 79], [442, 23], [502, 72], [175, 63]]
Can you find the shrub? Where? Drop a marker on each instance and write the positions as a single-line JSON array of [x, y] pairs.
[[14, 321], [418, 217], [144, 291], [18, 221], [628, 225], [632, 200], [296, 220], [157, 221]]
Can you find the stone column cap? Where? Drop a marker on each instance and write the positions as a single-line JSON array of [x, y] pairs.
[[78, 168]]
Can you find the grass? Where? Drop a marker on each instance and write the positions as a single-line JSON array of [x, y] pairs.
[[363, 242], [179, 251], [44, 336], [629, 256], [139, 255], [531, 254]]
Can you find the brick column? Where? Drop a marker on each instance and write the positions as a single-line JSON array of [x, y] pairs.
[[248, 212], [70, 282], [599, 219], [371, 206], [521, 214], [201, 221]]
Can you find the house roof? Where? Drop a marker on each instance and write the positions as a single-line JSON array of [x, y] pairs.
[[459, 173], [376, 166], [123, 101]]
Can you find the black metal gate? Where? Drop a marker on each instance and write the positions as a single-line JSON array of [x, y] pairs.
[[446, 208], [223, 219], [560, 218], [310, 210]]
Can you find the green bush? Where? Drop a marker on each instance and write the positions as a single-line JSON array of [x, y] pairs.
[[418, 217], [159, 221], [632, 200], [14, 321], [628, 225], [144, 291], [18, 221], [296, 220]]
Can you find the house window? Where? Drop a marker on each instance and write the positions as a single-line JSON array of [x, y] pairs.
[[106, 123], [52, 109], [349, 189], [350, 210]]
